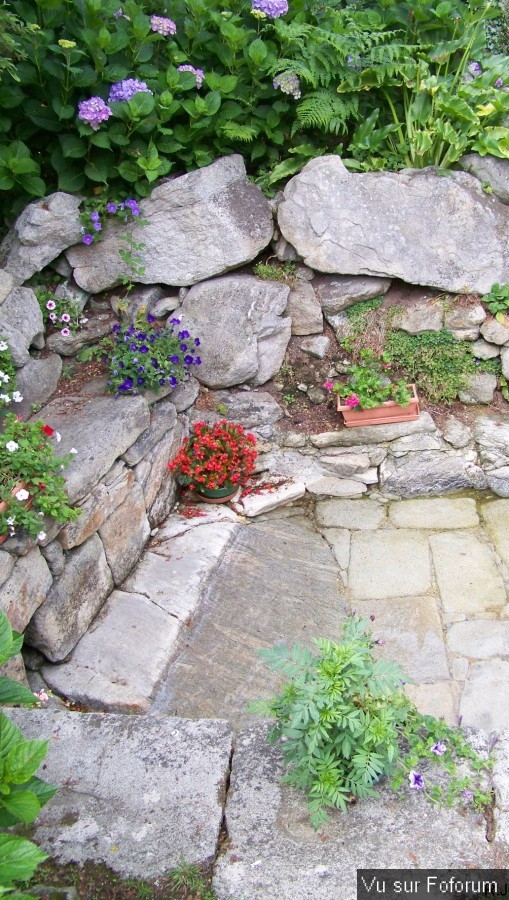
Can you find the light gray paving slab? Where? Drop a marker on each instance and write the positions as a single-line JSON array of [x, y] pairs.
[[468, 579], [174, 573], [435, 513], [480, 638], [388, 564], [336, 487], [496, 515], [121, 659], [484, 698], [135, 793], [440, 699], [411, 631], [256, 504], [273, 851], [339, 540], [357, 514]]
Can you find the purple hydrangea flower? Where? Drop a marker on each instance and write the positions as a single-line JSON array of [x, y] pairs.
[[416, 780], [288, 83], [499, 83], [162, 25], [439, 748], [88, 239], [122, 91], [198, 73], [474, 68], [93, 112], [272, 8]]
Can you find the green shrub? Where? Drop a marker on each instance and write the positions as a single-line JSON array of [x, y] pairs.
[[435, 360], [346, 723], [497, 301]]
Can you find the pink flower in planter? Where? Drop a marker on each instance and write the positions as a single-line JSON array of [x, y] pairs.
[[352, 401]]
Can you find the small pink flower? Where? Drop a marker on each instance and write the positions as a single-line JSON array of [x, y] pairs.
[[50, 304], [53, 317], [65, 332], [328, 385], [352, 400], [65, 317]]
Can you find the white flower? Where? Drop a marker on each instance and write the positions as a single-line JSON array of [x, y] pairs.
[[11, 446], [11, 520], [73, 450], [5, 378], [3, 345], [21, 495], [17, 397], [58, 437], [41, 535], [5, 398]]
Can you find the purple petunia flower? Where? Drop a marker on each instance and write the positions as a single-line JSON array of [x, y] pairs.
[[439, 748], [272, 8], [115, 328], [133, 206], [93, 112], [140, 381], [162, 25], [65, 332], [198, 73], [197, 361], [111, 208], [174, 321], [197, 342], [122, 91], [183, 335], [143, 348], [174, 359], [173, 381], [94, 216], [416, 780], [151, 319], [88, 239], [98, 226], [188, 360]]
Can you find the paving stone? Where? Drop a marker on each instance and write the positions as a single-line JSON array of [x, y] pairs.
[[411, 631], [496, 515], [373, 434], [468, 579], [255, 504], [121, 659], [173, 574], [273, 852], [339, 541], [277, 581], [336, 487], [480, 638], [484, 699], [440, 700], [136, 793], [388, 564], [437, 512], [349, 514]]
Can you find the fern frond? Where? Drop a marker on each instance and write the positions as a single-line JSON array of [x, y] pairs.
[[327, 111], [236, 132]]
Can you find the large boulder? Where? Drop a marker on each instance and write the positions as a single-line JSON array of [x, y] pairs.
[[413, 225], [239, 320], [41, 232], [199, 225], [21, 323]]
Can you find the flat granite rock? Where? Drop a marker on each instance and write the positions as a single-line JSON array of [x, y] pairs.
[[134, 793]]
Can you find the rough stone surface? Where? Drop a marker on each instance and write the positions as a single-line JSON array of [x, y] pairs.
[[316, 347], [464, 318], [421, 315], [429, 472], [456, 433], [335, 487], [25, 588], [163, 418], [304, 309], [199, 225], [41, 232], [492, 438], [36, 382], [252, 409], [20, 323], [373, 434], [468, 579], [363, 515], [488, 170], [479, 639], [495, 332], [124, 534], [484, 350], [479, 388], [166, 806], [344, 463], [111, 491], [6, 565], [119, 662], [72, 602], [246, 336], [256, 504], [338, 292], [159, 486], [274, 852], [496, 517], [483, 702], [435, 513], [328, 213], [6, 284], [87, 424], [412, 636], [89, 333], [440, 699], [370, 578]]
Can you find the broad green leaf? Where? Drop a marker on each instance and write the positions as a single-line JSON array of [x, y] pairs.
[[257, 52], [42, 790], [42, 115], [23, 805], [6, 182], [10, 735], [24, 759], [129, 171], [33, 185], [11, 96], [19, 858], [212, 102], [141, 104], [101, 139], [284, 169], [98, 170], [13, 692], [72, 146]]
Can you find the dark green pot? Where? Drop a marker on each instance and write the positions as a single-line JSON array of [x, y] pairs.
[[217, 495]]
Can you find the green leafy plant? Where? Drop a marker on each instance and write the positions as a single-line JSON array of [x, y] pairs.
[[31, 483], [22, 793], [346, 723], [369, 384], [497, 301], [272, 272], [7, 378], [433, 359], [147, 356], [189, 878], [215, 456]]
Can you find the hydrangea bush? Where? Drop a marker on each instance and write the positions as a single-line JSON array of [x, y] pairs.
[[121, 94], [150, 357]]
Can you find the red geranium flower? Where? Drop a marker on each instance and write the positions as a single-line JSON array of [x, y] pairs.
[[48, 430]]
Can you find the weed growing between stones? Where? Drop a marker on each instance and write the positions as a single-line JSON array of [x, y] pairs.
[[346, 723], [434, 359], [284, 272]]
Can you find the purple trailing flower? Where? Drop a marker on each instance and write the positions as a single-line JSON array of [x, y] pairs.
[[98, 226], [467, 796], [416, 780], [271, 8], [93, 112], [132, 205], [111, 208], [198, 73], [151, 319], [197, 342], [88, 239], [288, 83], [122, 91], [439, 748], [94, 216], [183, 335], [162, 25]]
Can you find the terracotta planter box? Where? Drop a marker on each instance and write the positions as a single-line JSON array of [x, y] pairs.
[[381, 415]]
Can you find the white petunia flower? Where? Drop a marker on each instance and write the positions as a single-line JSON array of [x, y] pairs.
[[58, 437], [41, 535], [21, 495], [5, 398], [11, 446], [17, 397], [3, 345], [11, 520], [73, 450]]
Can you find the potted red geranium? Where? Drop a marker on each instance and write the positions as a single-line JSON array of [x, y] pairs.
[[215, 460]]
